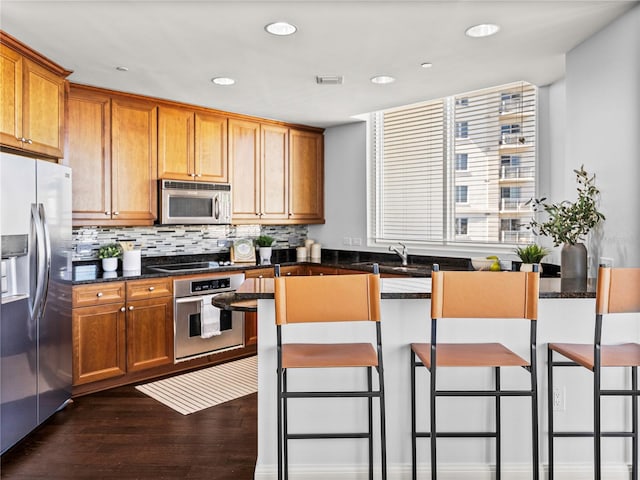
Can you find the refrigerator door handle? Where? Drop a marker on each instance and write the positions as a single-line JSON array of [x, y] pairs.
[[47, 257], [36, 225]]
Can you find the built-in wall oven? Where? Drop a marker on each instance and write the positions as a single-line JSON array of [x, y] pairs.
[[199, 327]]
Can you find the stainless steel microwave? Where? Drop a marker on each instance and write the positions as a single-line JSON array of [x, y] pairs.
[[194, 202]]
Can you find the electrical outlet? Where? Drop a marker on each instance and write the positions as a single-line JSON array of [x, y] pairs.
[[558, 399], [356, 241], [608, 261], [346, 241]]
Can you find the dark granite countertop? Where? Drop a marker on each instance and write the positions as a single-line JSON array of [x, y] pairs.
[[551, 286], [418, 266]]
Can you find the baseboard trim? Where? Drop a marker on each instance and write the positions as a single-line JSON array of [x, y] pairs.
[[445, 472]]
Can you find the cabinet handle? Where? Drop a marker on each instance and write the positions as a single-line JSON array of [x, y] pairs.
[[107, 213], [199, 175], [29, 141], [116, 213], [151, 289], [130, 307], [260, 276], [99, 294], [192, 175], [21, 139], [123, 309], [288, 274]]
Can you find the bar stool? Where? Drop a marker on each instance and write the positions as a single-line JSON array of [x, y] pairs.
[[617, 291], [477, 296], [328, 298]]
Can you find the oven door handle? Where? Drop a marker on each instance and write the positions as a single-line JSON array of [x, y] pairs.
[[197, 299]]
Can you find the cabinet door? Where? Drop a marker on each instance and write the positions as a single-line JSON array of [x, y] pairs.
[[133, 162], [98, 343], [250, 328], [43, 110], [244, 166], [274, 184], [149, 333], [88, 153], [211, 147], [175, 143], [11, 64], [306, 180], [313, 270]]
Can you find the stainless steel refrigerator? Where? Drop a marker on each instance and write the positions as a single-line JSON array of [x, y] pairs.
[[35, 317]]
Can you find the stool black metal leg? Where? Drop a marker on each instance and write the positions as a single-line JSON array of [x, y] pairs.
[[370, 410], [634, 419], [534, 416], [279, 424], [285, 426], [432, 420], [596, 423], [498, 425], [383, 428], [550, 408], [414, 459]]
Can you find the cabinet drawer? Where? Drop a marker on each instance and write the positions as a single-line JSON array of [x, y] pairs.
[[141, 289], [98, 294]]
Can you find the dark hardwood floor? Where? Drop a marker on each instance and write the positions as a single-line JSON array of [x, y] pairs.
[[123, 434]]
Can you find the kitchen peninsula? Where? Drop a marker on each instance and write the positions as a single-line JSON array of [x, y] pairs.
[[566, 314]]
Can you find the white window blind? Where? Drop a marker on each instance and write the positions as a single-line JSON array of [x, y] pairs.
[[411, 176], [471, 157]]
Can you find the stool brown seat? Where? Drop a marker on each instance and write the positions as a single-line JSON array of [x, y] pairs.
[[328, 298], [476, 296], [617, 291]]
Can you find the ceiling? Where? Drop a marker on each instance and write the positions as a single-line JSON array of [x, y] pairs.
[[173, 49]]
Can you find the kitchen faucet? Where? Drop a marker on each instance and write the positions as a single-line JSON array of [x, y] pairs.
[[402, 254]]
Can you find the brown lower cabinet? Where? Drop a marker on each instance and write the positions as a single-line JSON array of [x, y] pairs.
[[121, 327]]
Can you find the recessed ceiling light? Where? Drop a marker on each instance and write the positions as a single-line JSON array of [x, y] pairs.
[[382, 79], [122, 69], [426, 65], [223, 81], [281, 28], [482, 30]]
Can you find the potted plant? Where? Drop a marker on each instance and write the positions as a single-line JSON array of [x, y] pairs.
[[531, 254], [109, 255], [264, 244], [569, 222]]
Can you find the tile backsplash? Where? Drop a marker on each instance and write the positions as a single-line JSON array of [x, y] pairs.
[[180, 239]]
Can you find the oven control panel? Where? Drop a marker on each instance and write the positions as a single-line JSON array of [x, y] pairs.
[[210, 284]]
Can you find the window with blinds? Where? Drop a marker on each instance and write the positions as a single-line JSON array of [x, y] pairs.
[[455, 170]]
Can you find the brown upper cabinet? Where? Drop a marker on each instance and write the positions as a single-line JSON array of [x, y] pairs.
[[112, 148], [306, 176], [32, 94], [192, 145], [276, 172]]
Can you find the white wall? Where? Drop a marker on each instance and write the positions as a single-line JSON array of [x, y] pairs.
[[345, 184], [592, 117], [603, 131]]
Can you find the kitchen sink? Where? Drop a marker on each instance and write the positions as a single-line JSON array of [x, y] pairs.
[[406, 269], [390, 266]]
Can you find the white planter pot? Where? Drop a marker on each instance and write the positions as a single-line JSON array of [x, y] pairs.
[[110, 264], [265, 255], [528, 267]]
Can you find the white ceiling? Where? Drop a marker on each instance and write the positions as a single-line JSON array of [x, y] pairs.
[[174, 48]]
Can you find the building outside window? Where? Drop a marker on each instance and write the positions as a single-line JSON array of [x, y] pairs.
[[461, 161], [441, 167], [461, 226], [462, 193], [462, 129]]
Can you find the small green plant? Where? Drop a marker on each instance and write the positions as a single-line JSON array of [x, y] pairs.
[[264, 241], [110, 251], [532, 253], [569, 222]]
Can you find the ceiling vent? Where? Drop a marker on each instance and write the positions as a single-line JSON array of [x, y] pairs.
[[329, 79]]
